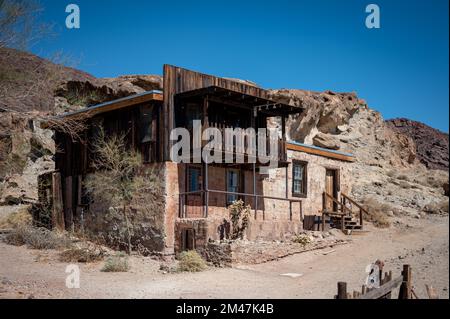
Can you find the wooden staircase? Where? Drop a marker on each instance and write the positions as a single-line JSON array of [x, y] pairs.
[[344, 216]]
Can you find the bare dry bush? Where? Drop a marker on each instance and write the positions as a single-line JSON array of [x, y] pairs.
[[37, 238], [116, 181], [81, 255], [19, 25], [117, 263], [376, 212], [239, 215], [439, 208], [20, 218]]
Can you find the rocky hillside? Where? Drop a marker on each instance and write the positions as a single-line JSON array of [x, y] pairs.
[[432, 144], [388, 174], [30, 83], [393, 173], [32, 87]]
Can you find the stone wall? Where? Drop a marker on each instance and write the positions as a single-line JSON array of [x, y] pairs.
[[272, 220]]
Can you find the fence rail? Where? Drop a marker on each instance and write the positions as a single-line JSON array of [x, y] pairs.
[[384, 291]]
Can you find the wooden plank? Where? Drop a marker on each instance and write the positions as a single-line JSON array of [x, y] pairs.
[[57, 209], [68, 213], [178, 80], [383, 290], [319, 152]]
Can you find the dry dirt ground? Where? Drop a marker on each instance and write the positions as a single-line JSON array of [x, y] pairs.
[[422, 243]]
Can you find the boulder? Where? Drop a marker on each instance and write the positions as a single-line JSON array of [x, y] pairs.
[[326, 141]]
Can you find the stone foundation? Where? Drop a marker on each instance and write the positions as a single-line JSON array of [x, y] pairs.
[[229, 253]]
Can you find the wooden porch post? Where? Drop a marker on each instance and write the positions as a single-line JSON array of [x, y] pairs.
[[253, 123], [58, 206], [205, 184]]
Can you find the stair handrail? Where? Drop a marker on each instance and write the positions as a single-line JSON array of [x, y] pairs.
[[343, 207], [353, 202]]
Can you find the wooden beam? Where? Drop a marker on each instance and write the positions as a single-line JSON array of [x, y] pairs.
[[319, 152]]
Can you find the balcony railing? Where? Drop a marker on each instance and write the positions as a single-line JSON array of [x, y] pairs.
[[205, 202], [246, 146]]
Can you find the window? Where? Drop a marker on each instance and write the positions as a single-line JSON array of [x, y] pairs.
[[194, 179], [233, 185], [299, 179]]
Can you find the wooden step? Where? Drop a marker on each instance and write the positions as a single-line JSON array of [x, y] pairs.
[[353, 227]]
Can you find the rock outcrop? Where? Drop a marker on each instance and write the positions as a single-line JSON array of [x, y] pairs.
[[432, 144], [388, 170]]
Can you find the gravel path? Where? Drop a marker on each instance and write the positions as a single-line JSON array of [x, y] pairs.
[[422, 243]]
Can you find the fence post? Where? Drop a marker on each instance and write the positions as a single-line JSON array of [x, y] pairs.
[[361, 218], [405, 288], [342, 290]]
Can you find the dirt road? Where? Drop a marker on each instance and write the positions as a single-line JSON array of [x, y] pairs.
[[422, 243]]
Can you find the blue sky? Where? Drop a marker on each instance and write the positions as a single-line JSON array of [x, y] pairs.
[[400, 69]]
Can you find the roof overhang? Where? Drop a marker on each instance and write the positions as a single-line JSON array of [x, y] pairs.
[[111, 106], [243, 100], [320, 151]]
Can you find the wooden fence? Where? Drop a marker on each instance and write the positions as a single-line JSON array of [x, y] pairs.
[[387, 285]]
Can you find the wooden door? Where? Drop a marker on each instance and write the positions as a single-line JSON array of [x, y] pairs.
[[330, 188]]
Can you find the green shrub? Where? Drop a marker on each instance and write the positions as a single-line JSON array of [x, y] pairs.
[[191, 261], [301, 239], [117, 263]]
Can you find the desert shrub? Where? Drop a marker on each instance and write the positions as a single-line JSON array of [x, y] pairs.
[[301, 239], [440, 207], [81, 255], [240, 218], [37, 238], [404, 184], [19, 218], [114, 182], [434, 182], [191, 261], [117, 263], [402, 177], [391, 173], [376, 212]]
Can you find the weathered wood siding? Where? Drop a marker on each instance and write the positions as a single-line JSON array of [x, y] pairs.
[[178, 80]]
